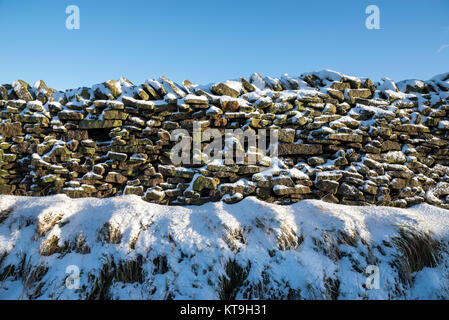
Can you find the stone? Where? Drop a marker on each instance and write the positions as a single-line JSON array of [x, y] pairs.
[[74, 192], [8, 129], [329, 186], [114, 177], [130, 101], [70, 115], [117, 156], [113, 114], [7, 189], [330, 198], [154, 194], [3, 93], [21, 90], [213, 111], [170, 125], [287, 135], [282, 180], [281, 190], [358, 93], [48, 178], [33, 118], [328, 175], [389, 145], [153, 94], [346, 137], [99, 124], [347, 190], [230, 199], [394, 157], [8, 157], [145, 105], [201, 182], [250, 169], [398, 183], [297, 149], [247, 85], [413, 129], [193, 99], [137, 190], [229, 104], [337, 94], [223, 89], [370, 188], [114, 87], [170, 86], [98, 169]]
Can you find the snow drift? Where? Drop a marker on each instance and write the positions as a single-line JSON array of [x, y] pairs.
[[126, 248]]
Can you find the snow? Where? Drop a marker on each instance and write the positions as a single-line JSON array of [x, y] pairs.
[[257, 81], [330, 75], [387, 84], [197, 241], [441, 77], [234, 84], [402, 85]]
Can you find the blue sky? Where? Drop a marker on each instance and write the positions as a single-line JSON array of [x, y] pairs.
[[206, 41]]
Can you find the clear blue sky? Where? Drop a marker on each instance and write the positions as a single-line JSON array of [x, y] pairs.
[[206, 41]]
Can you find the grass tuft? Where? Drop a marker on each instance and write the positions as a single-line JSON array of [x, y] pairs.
[[50, 246], [4, 214], [110, 234], [417, 250], [288, 239], [235, 239], [126, 271], [232, 281]]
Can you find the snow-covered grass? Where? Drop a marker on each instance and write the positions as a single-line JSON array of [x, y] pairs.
[[126, 248]]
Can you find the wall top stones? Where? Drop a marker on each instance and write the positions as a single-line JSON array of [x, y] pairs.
[[342, 139]]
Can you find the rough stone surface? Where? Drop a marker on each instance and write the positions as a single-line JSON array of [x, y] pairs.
[[341, 139]]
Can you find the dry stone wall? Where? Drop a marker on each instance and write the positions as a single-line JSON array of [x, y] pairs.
[[341, 139]]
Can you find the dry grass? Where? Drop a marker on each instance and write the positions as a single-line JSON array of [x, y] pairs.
[[235, 238], [4, 214], [328, 245], [232, 281], [332, 288], [78, 245], [7, 272], [348, 239], [103, 282], [3, 256], [133, 241], [50, 246], [130, 271], [288, 239], [32, 282], [126, 271], [110, 234], [160, 264], [47, 221], [417, 250], [31, 275], [81, 245]]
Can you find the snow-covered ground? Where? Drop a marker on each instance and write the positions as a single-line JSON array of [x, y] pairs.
[[126, 248]]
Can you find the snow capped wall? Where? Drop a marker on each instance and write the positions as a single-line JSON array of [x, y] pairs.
[[342, 139]]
